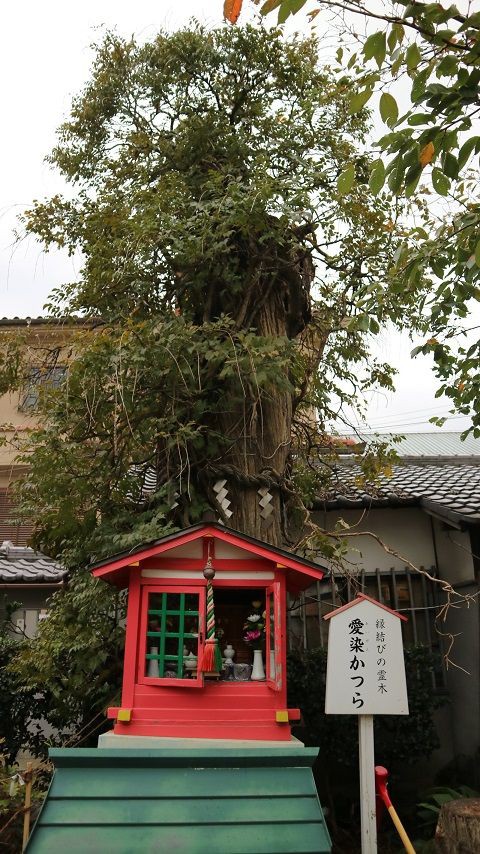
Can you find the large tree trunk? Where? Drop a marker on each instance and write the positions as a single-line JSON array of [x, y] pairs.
[[258, 456], [256, 464]]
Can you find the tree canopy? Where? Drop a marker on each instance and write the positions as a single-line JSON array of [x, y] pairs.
[[223, 264]]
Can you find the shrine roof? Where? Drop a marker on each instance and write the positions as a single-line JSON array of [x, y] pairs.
[[218, 531], [254, 800]]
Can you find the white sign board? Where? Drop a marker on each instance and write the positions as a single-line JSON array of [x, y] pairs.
[[365, 667]]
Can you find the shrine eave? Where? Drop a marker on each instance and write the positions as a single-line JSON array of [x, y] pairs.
[[115, 568]]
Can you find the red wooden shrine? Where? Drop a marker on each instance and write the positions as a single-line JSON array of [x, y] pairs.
[[164, 690]]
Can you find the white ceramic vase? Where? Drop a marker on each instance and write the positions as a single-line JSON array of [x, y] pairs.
[[152, 667], [228, 652], [258, 671]]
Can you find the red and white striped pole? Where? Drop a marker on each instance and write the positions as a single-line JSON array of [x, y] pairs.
[[211, 656]]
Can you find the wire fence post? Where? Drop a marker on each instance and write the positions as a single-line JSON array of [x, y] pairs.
[[28, 803]]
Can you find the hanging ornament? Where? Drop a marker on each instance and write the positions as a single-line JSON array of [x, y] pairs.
[[212, 657]]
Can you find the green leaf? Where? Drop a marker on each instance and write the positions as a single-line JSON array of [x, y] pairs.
[[395, 179], [419, 85], [466, 151], [358, 101], [377, 177], [413, 56], [269, 6], [388, 108], [443, 37], [448, 66], [441, 799], [450, 165], [395, 37], [420, 119], [376, 48], [392, 40], [440, 181], [363, 323], [477, 254], [413, 353], [399, 31], [412, 178], [288, 7], [284, 12], [346, 179]]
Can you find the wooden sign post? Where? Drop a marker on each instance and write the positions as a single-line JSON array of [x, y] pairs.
[[366, 677]]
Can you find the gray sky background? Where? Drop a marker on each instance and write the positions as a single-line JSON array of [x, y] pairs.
[[45, 59]]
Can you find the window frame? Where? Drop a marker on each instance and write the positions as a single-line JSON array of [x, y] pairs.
[[38, 378], [162, 682]]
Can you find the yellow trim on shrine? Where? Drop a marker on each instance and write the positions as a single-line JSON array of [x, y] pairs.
[[281, 716], [124, 715]]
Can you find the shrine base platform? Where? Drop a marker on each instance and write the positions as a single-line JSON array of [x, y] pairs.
[[207, 800], [128, 742]]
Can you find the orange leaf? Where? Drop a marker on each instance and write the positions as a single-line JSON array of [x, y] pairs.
[[231, 10], [426, 154]]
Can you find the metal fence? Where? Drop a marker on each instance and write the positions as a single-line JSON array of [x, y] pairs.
[[405, 591]]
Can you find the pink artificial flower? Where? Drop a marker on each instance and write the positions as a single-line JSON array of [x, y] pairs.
[[252, 635]]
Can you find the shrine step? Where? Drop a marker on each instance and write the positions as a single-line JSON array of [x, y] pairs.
[[244, 730], [246, 696]]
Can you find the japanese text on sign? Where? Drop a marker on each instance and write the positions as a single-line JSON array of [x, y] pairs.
[[365, 670]]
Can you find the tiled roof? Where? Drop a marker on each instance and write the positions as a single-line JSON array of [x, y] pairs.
[[434, 444], [42, 321], [22, 565], [452, 491]]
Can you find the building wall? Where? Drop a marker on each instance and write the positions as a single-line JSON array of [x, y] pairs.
[[43, 343], [20, 421], [31, 600], [454, 553], [406, 530]]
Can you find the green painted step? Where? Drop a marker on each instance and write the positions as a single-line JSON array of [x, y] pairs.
[[203, 801]]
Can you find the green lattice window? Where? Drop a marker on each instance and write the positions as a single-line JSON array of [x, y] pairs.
[[172, 635]]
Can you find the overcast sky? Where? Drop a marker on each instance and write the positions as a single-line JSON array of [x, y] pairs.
[[44, 60]]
